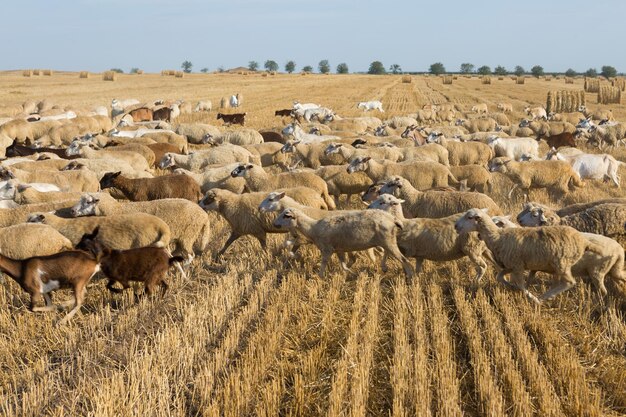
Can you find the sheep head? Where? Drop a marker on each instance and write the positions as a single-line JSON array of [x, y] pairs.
[[86, 206], [372, 192], [358, 164], [167, 161], [332, 148], [36, 218], [386, 202], [503, 222], [524, 123], [435, 137], [499, 164], [210, 200], [208, 139], [359, 143], [289, 146], [286, 219], [271, 202], [471, 220], [241, 170], [5, 174]]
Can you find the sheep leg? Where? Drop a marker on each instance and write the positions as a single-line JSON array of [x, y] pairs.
[[79, 295], [406, 265], [513, 188], [342, 261], [566, 282], [597, 277], [383, 262], [518, 280], [325, 257], [481, 265], [233, 236]]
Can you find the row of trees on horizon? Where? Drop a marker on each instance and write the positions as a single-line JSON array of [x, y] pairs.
[[437, 68]]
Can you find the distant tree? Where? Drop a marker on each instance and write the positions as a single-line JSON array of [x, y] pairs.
[[270, 65], [537, 71], [290, 66], [186, 66], [608, 71], [342, 68], [591, 72], [220, 69], [437, 68], [324, 66], [134, 70], [467, 68], [519, 71], [204, 70], [377, 68], [395, 69], [253, 65], [118, 70], [500, 70], [570, 73], [307, 68], [484, 70]]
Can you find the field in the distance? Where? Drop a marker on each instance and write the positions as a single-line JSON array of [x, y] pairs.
[[257, 335]]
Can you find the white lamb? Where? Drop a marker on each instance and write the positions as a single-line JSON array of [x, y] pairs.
[[591, 166], [371, 105], [514, 148]]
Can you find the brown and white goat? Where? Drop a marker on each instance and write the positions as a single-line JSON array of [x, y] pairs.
[[148, 264], [41, 275]]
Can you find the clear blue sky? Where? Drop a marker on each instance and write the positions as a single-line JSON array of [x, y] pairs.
[[156, 34]]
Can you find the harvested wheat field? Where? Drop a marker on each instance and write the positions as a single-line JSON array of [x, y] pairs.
[[259, 333]]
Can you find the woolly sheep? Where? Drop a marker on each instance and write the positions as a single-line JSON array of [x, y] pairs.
[[536, 112], [477, 125], [341, 182], [475, 177], [195, 132], [125, 231], [480, 108], [547, 129], [553, 249], [501, 119], [265, 151], [604, 219], [514, 148], [398, 122], [25, 194], [349, 153], [203, 105], [218, 177], [462, 153], [258, 180], [505, 107], [422, 175], [598, 114], [9, 217], [555, 175], [434, 204], [134, 159], [433, 239], [220, 155], [295, 130], [351, 231], [236, 137], [66, 180], [189, 225], [312, 155], [573, 118], [102, 166], [242, 214], [26, 240]]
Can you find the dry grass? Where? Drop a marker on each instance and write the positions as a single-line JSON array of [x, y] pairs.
[[260, 335]]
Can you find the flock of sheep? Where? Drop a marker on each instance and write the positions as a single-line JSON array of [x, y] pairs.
[[80, 192]]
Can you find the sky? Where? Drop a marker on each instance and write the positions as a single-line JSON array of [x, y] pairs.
[[96, 35]]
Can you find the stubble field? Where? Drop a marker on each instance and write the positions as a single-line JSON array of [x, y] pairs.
[[260, 335]]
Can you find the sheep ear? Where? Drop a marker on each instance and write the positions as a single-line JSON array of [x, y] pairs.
[[485, 210], [367, 158], [401, 201], [249, 166], [281, 195], [508, 217]]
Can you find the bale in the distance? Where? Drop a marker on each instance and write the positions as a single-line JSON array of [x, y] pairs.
[[83, 74], [109, 76], [27, 73], [407, 79]]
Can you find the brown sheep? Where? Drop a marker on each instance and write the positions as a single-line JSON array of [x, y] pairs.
[[146, 189]]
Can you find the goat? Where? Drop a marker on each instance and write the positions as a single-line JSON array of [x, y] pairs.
[[235, 118]]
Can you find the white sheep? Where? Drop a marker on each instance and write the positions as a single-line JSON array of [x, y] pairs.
[[203, 105], [371, 105], [347, 232], [433, 239], [505, 107], [480, 108], [81, 180], [195, 161], [486, 124], [590, 166], [514, 148], [196, 132], [236, 137], [348, 152], [553, 249], [294, 129]]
